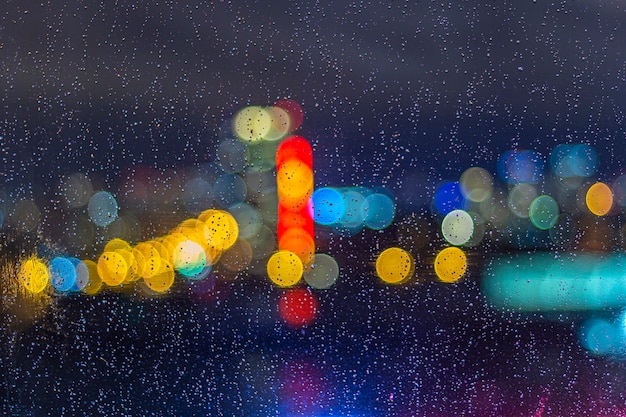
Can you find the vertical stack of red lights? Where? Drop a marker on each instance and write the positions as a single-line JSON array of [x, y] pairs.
[[294, 167]]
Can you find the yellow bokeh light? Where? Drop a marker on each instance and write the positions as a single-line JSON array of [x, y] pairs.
[[113, 268], [450, 264], [252, 123], [130, 260], [599, 199], [95, 282], [147, 259], [162, 280], [34, 275], [294, 182], [395, 265], [284, 268], [116, 244], [223, 228], [294, 179], [195, 230]]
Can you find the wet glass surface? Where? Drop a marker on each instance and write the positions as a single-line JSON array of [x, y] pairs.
[[298, 209]]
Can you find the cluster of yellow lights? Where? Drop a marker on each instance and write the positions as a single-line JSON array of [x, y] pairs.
[[397, 266], [191, 249]]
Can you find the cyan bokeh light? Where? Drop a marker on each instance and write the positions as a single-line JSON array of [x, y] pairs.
[[574, 160], [328, 205], [549, 282], [379, 211], [62, 274]]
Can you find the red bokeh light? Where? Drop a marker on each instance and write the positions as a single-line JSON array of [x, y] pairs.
[[298, 307], [294, 110], [294, 147]]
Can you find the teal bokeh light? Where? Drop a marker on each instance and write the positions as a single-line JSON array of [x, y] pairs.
[[379, 211], [549, 282], [574, 160], [544, 212]]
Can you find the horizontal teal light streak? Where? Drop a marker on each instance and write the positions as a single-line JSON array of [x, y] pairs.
[[556, 282]]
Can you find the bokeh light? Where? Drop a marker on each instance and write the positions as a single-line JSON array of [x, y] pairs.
[[280, 123], [448, 197], [223, 228], [113, 268], [544, 212], [328, 205], [298, 307], [619, 190], [233, 155], [476, 184], [599, 199], [600, 336], [162, 280], [94, 284], [290, 219], [457, 227], [248, 221], [34, 275], [294, 181], [573, 160], [521, 197], [82, 274], [299, 242], [322, 272], [102, 208], [352, 220], [517, 167], [230, 189], [294, 110], [395, 265], [148, 258], [379, 211], [76, 190], [284, 268], [450, 264], [262, 158], [252, 123], [189, 258], [294, 147], [62, 274]]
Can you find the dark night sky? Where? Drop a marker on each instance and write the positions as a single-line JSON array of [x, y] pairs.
[[105, 85]]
